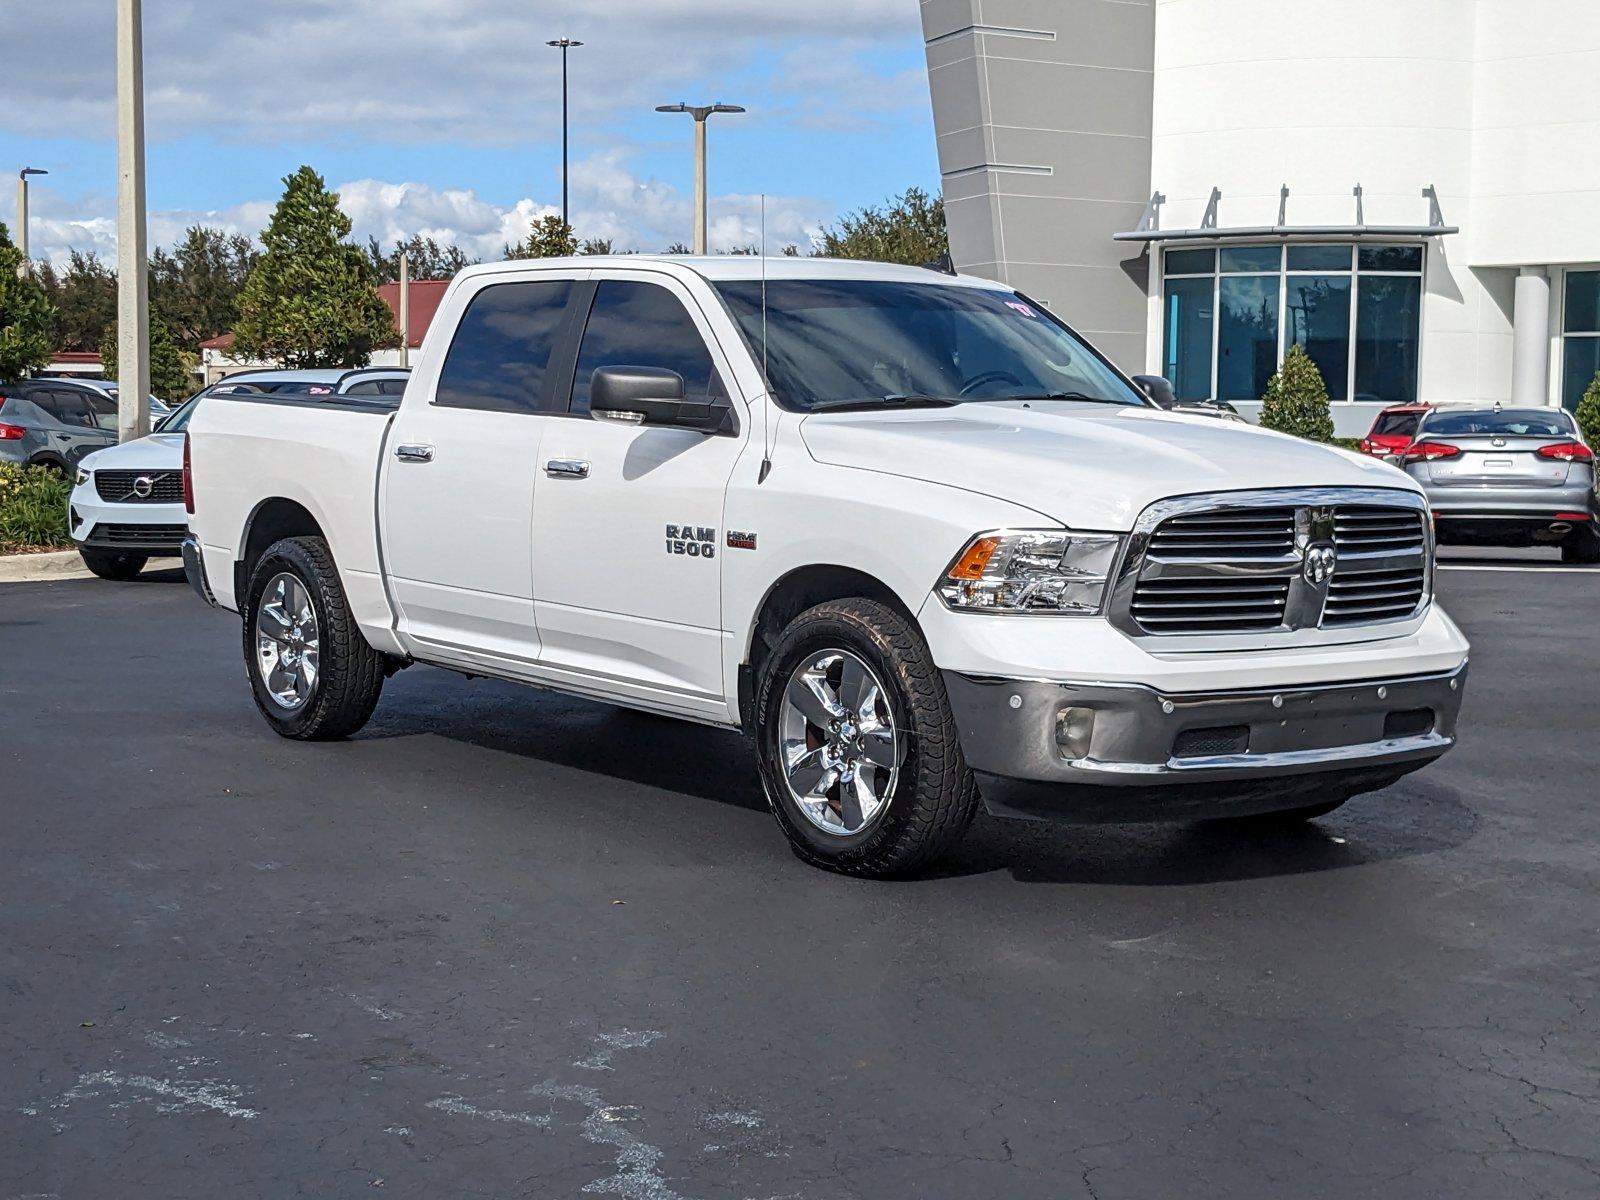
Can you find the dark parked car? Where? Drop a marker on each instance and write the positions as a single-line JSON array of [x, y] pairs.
[[54, 422], [1508, 477]]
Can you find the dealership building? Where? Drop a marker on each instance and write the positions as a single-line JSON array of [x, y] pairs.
[[1410, 189]]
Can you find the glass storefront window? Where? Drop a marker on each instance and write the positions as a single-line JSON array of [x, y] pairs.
[[1245, 259], [1388, 317], [1247, 335], [1187, 317], [1316, 313], [1356, 308], [1580, 348]]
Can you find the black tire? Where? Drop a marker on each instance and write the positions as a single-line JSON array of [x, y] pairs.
[[350, 672], [54, 465], [1582, 546], [934, 796], [108, 564]]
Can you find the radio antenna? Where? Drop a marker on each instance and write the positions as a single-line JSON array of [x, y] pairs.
[[766, 399]]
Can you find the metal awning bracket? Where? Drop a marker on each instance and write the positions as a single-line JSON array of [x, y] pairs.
[[1209, 221]]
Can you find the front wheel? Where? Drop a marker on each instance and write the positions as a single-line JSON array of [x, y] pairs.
[[110, 565], [856, 743], [313, 675]]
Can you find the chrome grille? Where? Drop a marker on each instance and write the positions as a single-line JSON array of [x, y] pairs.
[[1362, 528], [166, 487], [1268, 562], [1385, 594], [1258, 533], [1190, 605]]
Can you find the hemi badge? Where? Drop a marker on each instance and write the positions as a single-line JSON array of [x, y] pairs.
[[741, 541]]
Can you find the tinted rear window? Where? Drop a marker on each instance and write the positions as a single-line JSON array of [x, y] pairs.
[[1510, 422], [1397, 423], [501, 350]]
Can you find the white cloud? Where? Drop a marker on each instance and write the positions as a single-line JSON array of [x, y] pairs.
[[424, 70], [608, 201]]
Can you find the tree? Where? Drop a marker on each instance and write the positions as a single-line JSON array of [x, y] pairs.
[[310, 300], [85, 300], [1296, 400], [596, 246], [170, 376], [1588, 413], [909, 229], [26, 316], [677, 248], [195, 286], [428, 259], [550, 237]]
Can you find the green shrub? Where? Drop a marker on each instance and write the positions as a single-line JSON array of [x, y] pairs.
[[1297, 400], [1588, 413], [33, 508]]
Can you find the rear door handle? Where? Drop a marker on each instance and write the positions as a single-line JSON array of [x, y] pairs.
[[418, 454], [567, 468]]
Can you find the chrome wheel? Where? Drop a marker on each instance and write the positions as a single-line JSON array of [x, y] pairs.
[[840, 750], [287, 641]]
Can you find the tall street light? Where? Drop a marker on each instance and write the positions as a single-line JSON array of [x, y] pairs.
[[699, 112], [26, 266], [133, 309], [564, 44]]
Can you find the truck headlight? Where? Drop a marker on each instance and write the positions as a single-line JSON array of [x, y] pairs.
[[1032, 571]]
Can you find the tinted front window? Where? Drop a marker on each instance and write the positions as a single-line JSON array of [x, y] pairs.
[[501, 350], [1509, 422], [103, 408], [643, 325], [73, 409], [830, 341]]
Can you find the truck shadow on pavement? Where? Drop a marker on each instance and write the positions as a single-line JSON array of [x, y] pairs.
[[1417, 816]]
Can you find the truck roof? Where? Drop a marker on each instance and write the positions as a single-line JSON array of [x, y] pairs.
[[720, 267]]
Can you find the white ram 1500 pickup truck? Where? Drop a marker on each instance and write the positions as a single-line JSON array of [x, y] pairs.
[[916, 537]]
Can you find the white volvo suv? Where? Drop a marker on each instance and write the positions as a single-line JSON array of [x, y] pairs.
[[909, 531]]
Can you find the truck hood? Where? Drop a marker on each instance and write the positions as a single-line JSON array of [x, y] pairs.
[[1088, 466], [156, 452]]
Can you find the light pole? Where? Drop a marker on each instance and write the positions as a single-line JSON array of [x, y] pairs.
[[564, 44], [133, 309], [26, 266], [699, 112]]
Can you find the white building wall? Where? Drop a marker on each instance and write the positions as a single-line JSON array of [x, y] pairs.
[[1490, 101]]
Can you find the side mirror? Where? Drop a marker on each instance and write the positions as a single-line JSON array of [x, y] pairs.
[[1158, 388], [646, 396]]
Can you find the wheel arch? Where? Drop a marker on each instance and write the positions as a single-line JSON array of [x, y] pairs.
[[790, 595], [271, 520]]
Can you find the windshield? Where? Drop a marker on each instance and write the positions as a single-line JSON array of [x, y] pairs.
[[833, 342], [1510, 422], [179, 420]]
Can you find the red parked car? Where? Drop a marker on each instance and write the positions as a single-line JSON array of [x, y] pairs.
[[1393, 429]]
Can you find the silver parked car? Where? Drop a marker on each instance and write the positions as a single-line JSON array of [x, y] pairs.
[[1508, 477]]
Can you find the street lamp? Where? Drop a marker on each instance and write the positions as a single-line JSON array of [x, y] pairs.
[[22, 216], [564, 44], [699, 112]]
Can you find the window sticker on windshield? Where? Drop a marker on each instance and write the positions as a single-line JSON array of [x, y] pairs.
[[1021, 308]]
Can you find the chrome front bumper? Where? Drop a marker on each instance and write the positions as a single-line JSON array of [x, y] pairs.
[[1152, 754]]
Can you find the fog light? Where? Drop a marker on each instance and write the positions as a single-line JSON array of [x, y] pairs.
[[1074, 729]]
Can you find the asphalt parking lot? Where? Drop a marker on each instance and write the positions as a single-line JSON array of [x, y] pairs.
[[510, 944]]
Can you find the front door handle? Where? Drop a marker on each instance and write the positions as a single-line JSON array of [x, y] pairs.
[[418, 454], [567, 468]]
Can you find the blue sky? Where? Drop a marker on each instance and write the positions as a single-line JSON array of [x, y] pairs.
[[461, 140]]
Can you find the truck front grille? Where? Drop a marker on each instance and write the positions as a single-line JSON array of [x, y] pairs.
[[124, 487], [1269, 562]]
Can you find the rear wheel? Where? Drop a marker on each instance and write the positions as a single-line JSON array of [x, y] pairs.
[[1582, 545], [856, 743], [108, 564], [313, 675]]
